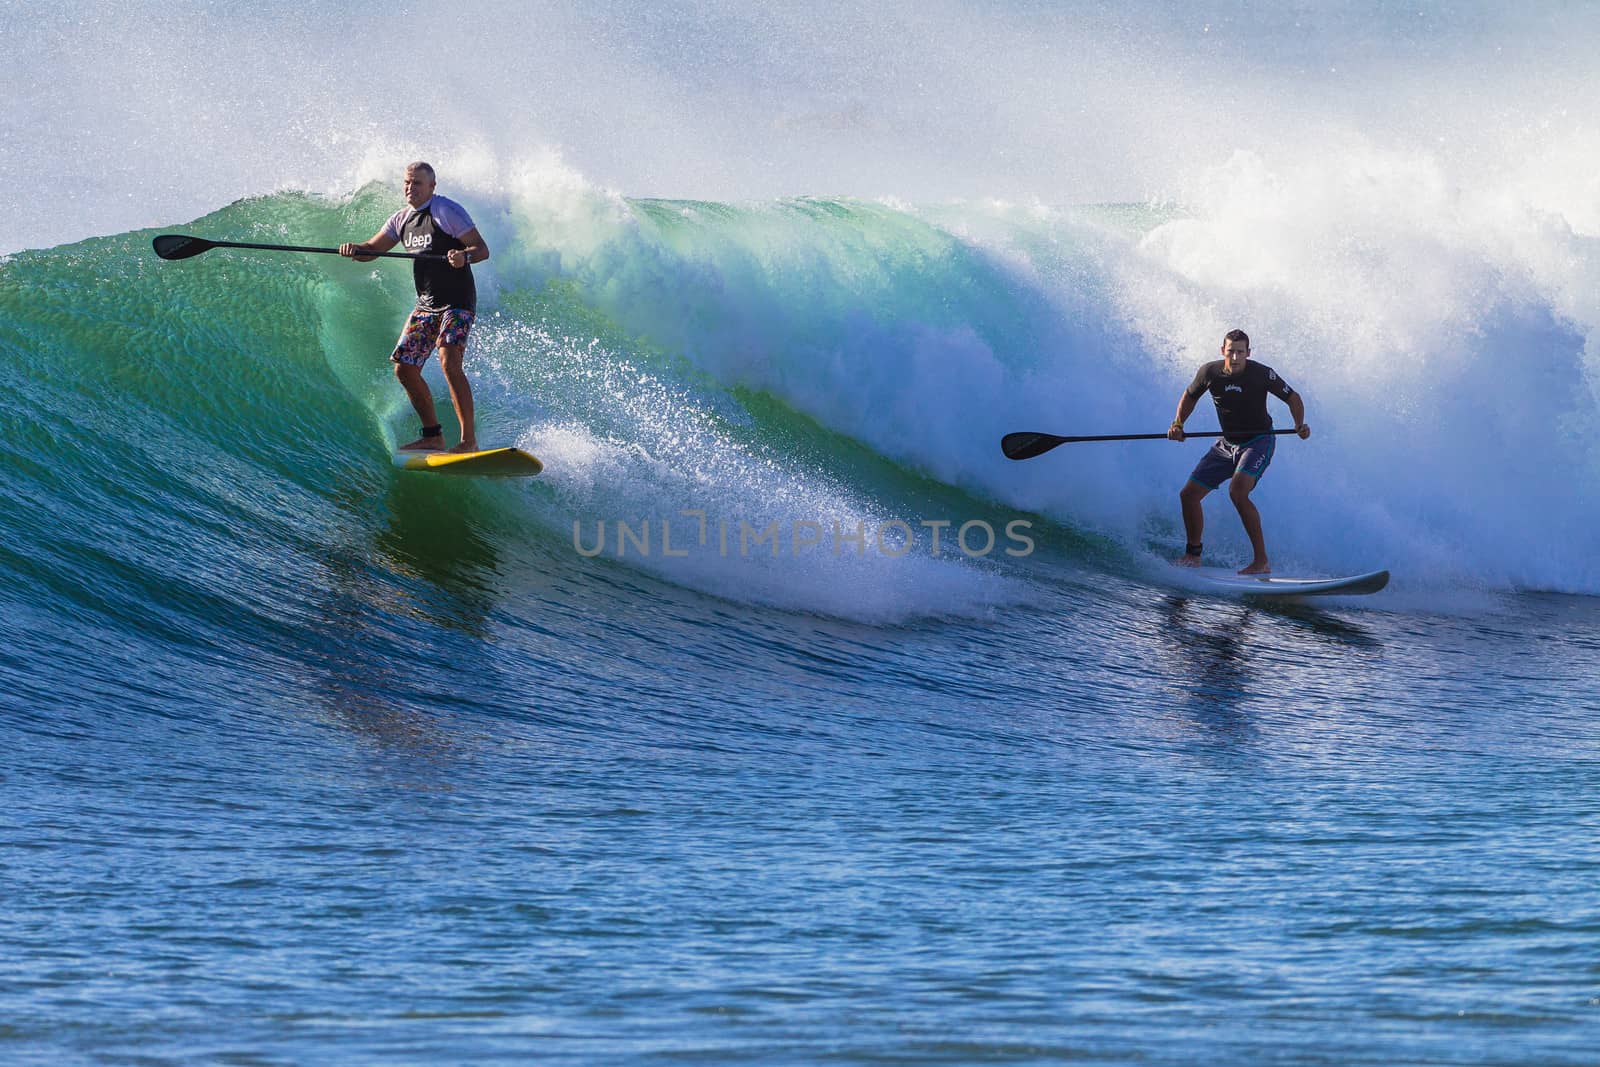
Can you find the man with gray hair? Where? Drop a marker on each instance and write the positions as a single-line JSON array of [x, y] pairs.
[[447, 299]]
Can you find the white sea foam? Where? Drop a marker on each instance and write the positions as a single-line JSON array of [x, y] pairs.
[[1434, 330], [642, 471], [124, 113]]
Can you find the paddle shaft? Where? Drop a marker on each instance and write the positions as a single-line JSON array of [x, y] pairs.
[[174, 246], [329, 251], [1028, 445], [1150, 436]]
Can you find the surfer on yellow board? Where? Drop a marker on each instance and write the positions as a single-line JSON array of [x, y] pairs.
[[447, 299], [1240, 457]]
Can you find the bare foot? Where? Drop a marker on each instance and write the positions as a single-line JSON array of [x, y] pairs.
[[1260, 566], [425, 444], [466, 446], [1187, 561]]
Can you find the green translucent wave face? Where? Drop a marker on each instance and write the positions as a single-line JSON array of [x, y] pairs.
[[211, 435], [245, 352], [177, 426]]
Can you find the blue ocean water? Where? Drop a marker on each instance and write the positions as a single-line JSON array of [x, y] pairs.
[[700, 747]]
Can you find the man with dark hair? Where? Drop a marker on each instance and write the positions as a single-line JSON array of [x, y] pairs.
[[1240, 457], [447, 299]]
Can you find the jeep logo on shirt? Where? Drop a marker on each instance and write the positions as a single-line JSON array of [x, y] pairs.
[[415, 241]]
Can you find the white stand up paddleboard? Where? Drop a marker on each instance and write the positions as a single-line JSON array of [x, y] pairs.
[[490, 463], [1229, 583]]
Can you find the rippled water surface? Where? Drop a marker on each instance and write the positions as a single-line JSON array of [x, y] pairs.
[[640, 824]]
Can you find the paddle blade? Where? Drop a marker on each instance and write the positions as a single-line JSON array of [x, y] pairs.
[[1027, 445], [177, 246]]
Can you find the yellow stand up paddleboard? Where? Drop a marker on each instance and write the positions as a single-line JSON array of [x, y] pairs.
[[490, 463]]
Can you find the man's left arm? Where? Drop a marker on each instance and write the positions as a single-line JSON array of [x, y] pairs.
[[1297, 409], [455, 221], [1287, 393], [476, 250]]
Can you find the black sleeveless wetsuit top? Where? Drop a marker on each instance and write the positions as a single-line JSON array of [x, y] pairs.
[[439, 285]]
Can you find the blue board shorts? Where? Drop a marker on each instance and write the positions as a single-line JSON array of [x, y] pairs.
[[1223, 460], [425, 330]]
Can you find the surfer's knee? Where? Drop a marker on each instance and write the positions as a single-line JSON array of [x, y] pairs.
[[1192, 491], [451, 357], [1239, 490]]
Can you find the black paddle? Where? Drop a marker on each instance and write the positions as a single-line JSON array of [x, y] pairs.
[[177, 246], [1026, 445]]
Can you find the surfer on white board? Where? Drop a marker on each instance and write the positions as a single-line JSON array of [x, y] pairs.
[[447, 299], [1240, 457]]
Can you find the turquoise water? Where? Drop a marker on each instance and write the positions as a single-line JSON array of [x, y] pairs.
[[316, 761]]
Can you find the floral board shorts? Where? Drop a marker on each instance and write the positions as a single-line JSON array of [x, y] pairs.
[[426, 330]]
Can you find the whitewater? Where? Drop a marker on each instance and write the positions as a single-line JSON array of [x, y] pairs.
[[782, 718]]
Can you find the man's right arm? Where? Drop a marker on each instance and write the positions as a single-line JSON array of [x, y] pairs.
[[362, 253], [1191, 396], [1186, 405]]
